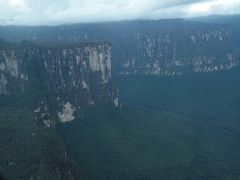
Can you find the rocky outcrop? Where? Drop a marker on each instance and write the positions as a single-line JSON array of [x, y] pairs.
[[61, 78], [100, 61], [164, 47], [177, 52]]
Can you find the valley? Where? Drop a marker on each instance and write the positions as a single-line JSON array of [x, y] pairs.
[[168, 128], [143, 99]]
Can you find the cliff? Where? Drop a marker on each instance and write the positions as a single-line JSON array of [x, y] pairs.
[[58, 79], [182, 51], [42, 86], [164, 47]]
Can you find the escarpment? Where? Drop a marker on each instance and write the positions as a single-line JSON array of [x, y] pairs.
[[57, 79], [159, 48], [183, 51]]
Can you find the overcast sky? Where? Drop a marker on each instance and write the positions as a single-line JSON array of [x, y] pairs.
[[51, 12]]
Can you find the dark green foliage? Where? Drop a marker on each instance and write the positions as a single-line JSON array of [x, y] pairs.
[[27, 148], [177, 128], [29, 151], [171, 128]]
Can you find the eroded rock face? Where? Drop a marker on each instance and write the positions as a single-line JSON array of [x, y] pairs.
[[160, 48], [2, 66], [10, 71], [181, 51], [100, 61], [67, 113], [63, 78], [11, 63], [3, 84]]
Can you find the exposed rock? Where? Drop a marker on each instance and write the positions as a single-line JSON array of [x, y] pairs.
[[170, 47], [116, 102], [36, 110], [47, 123], [100, 60], [85, 85], [67, 113], [11, 64], [94, 59], [3, 84], [176, 52], [78, 59], [55, 74], [2, 66]]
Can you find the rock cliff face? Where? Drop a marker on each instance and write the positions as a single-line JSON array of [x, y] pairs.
[[44, 84], [60, 78], [76, 75], [168, 47], [182, 51], [70, 76]]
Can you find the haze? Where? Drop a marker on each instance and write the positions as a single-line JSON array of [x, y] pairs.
[[52, 12]]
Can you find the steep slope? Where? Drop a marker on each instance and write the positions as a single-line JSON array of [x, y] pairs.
[[164, 47], [181, 51], [41, 86], [60, 78], [178, 127]]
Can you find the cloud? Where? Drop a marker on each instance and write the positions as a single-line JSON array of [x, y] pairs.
[[53, 12], [216, 7]]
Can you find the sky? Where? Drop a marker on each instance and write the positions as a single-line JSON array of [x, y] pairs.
[[53, 12]]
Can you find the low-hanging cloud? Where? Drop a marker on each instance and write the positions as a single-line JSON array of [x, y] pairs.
[[52, 12]]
